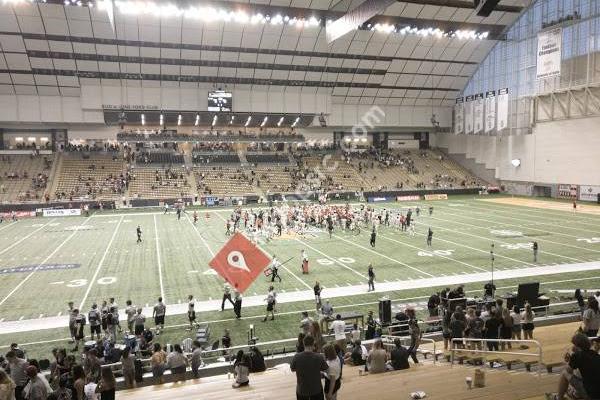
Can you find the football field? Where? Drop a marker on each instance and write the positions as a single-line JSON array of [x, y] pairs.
[[46, 262]]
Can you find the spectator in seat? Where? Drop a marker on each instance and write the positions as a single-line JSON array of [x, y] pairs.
[[177, 362], [7, 386], [591, 318], [241, 370], [377, 358], [308, 366], [398, 357], [158, 362], [17, 372], [586, 384], [358, 355], [196, 357]]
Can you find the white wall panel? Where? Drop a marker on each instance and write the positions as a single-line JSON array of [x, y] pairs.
[[29, 108], [51, 109]]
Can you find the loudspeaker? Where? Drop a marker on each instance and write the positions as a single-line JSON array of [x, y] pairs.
[[484, 8], [385, 311]]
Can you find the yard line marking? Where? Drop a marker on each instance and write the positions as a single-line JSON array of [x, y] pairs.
[[535, 229], [384, 256], [25, 237], [331, 258], [160, 278], [496, 240], [446, 257], [100, 264], [56, 249], [7, 225], [199, 235]]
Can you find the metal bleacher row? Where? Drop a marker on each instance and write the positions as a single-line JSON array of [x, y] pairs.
[[23, 177]]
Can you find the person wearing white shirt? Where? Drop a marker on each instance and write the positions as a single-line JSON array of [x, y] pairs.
[[355, 333], [339, 330]]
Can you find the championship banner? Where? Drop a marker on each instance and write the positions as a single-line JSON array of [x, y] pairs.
[[478, 119], [549, 53], [68, 212], [469, 115], [459, 116], [443, 196], [502, 112], [588, 193], [239, 262], [490, 111], [567, 191]]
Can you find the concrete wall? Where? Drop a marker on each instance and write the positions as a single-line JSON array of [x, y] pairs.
[[556, 152]]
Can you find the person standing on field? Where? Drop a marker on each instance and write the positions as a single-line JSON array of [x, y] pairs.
[[535, 248]]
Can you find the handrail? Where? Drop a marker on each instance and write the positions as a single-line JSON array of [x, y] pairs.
[[453, 349], [388, 341]]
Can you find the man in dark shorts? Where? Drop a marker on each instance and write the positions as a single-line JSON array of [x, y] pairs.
[[191, 312], [373, 237], [95, 321], [139, 234], [308, 366], [429, 237], [159, 315], [79, 325], [586, 385], [371, 275]]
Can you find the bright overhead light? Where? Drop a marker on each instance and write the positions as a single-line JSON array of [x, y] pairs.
[[516, 162], [296, 122], [264, 121], [197, 120], [214, 121], [232, 119], [143, 119], [179, 119], [280, 121], [248, 120]]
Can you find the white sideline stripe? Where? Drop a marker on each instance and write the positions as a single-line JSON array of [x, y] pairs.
[[406, 299], [100, 264], [331, 258], [446, 257], [26, 237], [530, 228], [44, 261], [383, 255], [160, 278], [53, 322]]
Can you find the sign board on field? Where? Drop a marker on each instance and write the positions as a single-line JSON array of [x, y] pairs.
[[566, 191], [408, 198], [442, 196], [65, 212], [588, 192]]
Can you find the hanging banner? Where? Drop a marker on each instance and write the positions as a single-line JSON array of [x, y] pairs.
[[478, 114], [490, 111], [459, 116], [469, 115], [549, 53], [589, 193], [502, 112]]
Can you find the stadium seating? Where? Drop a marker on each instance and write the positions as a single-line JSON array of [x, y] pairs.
[[164, 158], [99, 176], [24, 177], [223, 180], [152, 183], [215, 158], [268, 159]]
